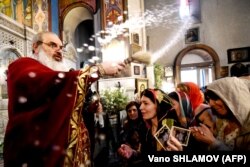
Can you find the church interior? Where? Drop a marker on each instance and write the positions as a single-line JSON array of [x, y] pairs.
[[179, 40]]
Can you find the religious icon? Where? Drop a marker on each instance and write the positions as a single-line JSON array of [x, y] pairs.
[[162, 136], [181, 134], [136, 70], [192, 35]]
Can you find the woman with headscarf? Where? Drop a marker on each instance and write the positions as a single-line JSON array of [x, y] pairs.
[[134, 128], [229, 97], [182, 107], [155, 108], [202, 112]]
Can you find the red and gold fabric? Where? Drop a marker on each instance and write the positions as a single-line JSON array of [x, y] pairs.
[[45, 125]]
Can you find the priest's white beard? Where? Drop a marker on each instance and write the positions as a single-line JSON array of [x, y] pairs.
[[50, 62]]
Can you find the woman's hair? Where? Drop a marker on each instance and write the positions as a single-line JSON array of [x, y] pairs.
[[161, 99], [137, 105], [132, 103], [209, 94], [238, 70]]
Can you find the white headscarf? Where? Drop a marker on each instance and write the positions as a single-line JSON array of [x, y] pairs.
[[235, 93]]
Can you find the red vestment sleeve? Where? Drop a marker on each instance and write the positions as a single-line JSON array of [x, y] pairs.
[[40, 108]]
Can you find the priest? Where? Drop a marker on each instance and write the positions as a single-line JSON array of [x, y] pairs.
[[45, 127]]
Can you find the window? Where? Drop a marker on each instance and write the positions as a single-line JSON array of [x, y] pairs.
[[200, 61], [199, 75]]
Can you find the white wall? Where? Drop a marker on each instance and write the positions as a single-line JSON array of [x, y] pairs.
[[224, 24], [136, 10]]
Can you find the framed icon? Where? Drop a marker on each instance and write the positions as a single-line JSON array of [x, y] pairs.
[[224, 71], [141, 84], [181, 134], [135, 38], [168, 71], [162, 136], [238, 55], [137, 70], [192, 35]]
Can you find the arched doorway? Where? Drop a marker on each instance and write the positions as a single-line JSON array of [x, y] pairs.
[[83, 40], [8, 55], [77, 27], [208, 65]]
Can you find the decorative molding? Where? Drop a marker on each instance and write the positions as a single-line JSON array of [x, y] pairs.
[[18, 37]]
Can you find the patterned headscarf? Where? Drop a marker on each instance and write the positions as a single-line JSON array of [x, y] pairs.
[[193, 91], [161, 99], [185, 107]]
